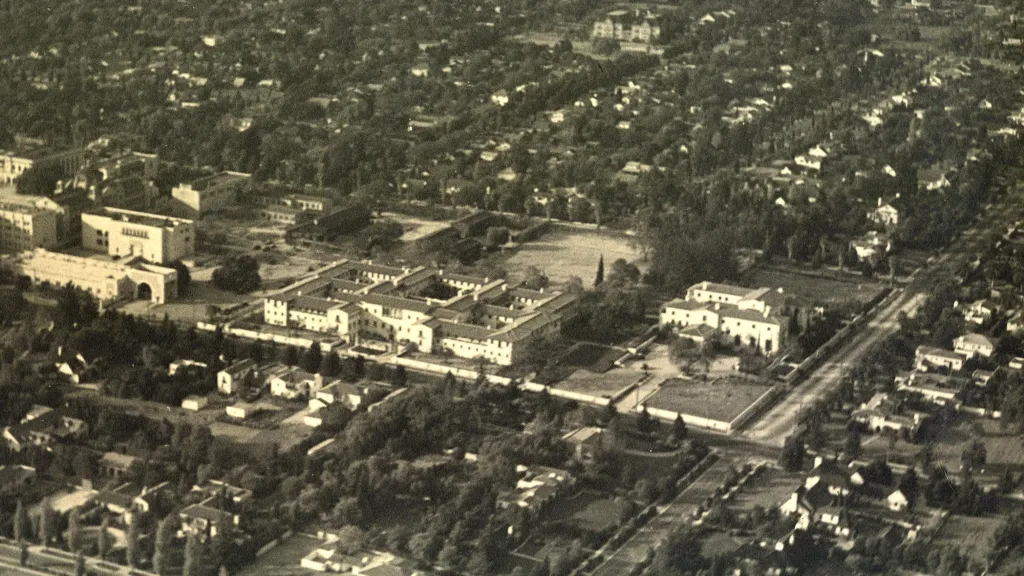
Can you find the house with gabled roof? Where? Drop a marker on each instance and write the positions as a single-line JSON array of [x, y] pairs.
[[43, 426], [974, 345], [929, 357]]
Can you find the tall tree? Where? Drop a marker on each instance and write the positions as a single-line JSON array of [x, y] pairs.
[[80, 563], [103, 539], [45, 523], [192, 556], [311, 358], [132, 545], [75, 529], [599, 278], [20, 522], [163, 541]]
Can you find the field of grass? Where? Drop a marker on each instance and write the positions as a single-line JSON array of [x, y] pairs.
[[282, 560], [607, 384], [592, 357], [972, 535], [828, 289], [565, 252], [722, 399]]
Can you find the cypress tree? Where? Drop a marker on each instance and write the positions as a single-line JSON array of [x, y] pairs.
[[20, 522], [599, 279]]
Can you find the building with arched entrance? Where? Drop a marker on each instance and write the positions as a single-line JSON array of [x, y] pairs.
[[108, 281]]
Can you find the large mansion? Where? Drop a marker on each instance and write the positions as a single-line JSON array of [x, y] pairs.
[[751, 317], [428, 308]]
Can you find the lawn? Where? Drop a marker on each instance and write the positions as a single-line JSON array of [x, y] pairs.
[[588, 511], [722, 399], [608, 384], [592, 357], [823, 290], [564, 252], [283, 560], [970, 534], [770, 488]]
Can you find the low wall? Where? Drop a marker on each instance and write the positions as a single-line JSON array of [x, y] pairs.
[[691, 420], [248, 334], [765, 400]]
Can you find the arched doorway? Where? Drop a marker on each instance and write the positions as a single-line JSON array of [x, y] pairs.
[[145, 292]]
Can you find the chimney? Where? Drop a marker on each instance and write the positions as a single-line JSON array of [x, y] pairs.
[[879, 201]]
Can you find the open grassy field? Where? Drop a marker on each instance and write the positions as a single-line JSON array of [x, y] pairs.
[[283, 560], [824, 290], [565, 252], [772, 487], [722, 399], [592, 357], [589, 511], [972, 535], [607, 384]]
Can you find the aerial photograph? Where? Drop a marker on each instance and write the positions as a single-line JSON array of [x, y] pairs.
[[511, 287]]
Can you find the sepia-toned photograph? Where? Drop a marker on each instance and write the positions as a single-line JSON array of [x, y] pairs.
[[511, 288]]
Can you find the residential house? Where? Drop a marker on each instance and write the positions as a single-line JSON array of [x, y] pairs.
[[897, 501], [536, 488], [15, 477], [292, 383], [116, 465], [974, 345], [183, 364], [872, 246], [194, 403], [885, 214], [330, 557], [883, 412], [1015, 324], [585, 440], [76, 368], [242, 410], [42, 426], [936, 388], [230, 379], [207, 521], [980, 312], [926, 357]]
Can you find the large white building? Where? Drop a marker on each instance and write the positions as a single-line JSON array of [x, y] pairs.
[[430, 309], [628, 26], [26, 227], [108, 281], [210, 192], [158, 239], [749, 317]]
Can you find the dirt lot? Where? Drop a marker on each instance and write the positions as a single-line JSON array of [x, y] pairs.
[[825, 290], [566, 252], [721, 399]]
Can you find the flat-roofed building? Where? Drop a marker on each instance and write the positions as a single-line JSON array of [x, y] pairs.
[[14, 164], [209, 192], [308, 202], [26, 227], [158, 239], [107, 281]]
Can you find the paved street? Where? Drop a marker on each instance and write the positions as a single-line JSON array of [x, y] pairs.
[[780, 421]]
